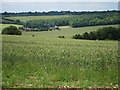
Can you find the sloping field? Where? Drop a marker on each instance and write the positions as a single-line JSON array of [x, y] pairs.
[[46, 61], [52, 62], [27, 18], [66, 31], [7, 25]]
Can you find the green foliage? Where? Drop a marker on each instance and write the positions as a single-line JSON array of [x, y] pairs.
[[66, 31], [51, 13], [11, 30], [61, 36], [92, 35], [77, 36], [46, 23], [90, 19], [95, 19], [81, 20], [74, 19], [110, 33], [10, 21], [18, 21]]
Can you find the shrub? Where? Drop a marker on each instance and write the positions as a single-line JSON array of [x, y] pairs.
[[61, 36], [86, 35], [77, 36], [110, 33], [92, 35], [11, 30]]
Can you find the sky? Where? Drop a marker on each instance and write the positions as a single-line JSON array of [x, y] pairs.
[[60, 0], [58, 5]]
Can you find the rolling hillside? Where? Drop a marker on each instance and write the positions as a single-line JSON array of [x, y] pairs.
[[46, 61], [66, 31], [27, 18], [43, 62]]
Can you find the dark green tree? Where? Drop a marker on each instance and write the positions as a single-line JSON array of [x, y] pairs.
[[92, 36], [77, 36], [86, 35], [11, 30]]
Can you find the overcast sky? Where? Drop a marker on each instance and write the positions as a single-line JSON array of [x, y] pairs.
[[60, 0], [58, 5]]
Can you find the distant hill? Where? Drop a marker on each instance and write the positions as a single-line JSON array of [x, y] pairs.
[[83, 20], [7, 14], [62, 18]]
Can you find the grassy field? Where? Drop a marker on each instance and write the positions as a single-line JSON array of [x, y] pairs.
[[24, 18], [7, 25], [45, 61], [66, 31]]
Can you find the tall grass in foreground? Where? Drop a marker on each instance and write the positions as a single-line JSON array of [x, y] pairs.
[[43, 62]]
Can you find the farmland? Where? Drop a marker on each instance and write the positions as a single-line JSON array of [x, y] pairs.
[[24, 18], [66, 31], [7, 25], [46, 61]]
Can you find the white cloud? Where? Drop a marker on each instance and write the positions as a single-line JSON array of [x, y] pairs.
[[60, 0]]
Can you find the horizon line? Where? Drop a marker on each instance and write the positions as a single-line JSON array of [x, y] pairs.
[[59, 11]]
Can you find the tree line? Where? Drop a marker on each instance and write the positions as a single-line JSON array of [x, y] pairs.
[[10, 21], [8, 14], [46, 23], [108, 18], [109, 33]]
